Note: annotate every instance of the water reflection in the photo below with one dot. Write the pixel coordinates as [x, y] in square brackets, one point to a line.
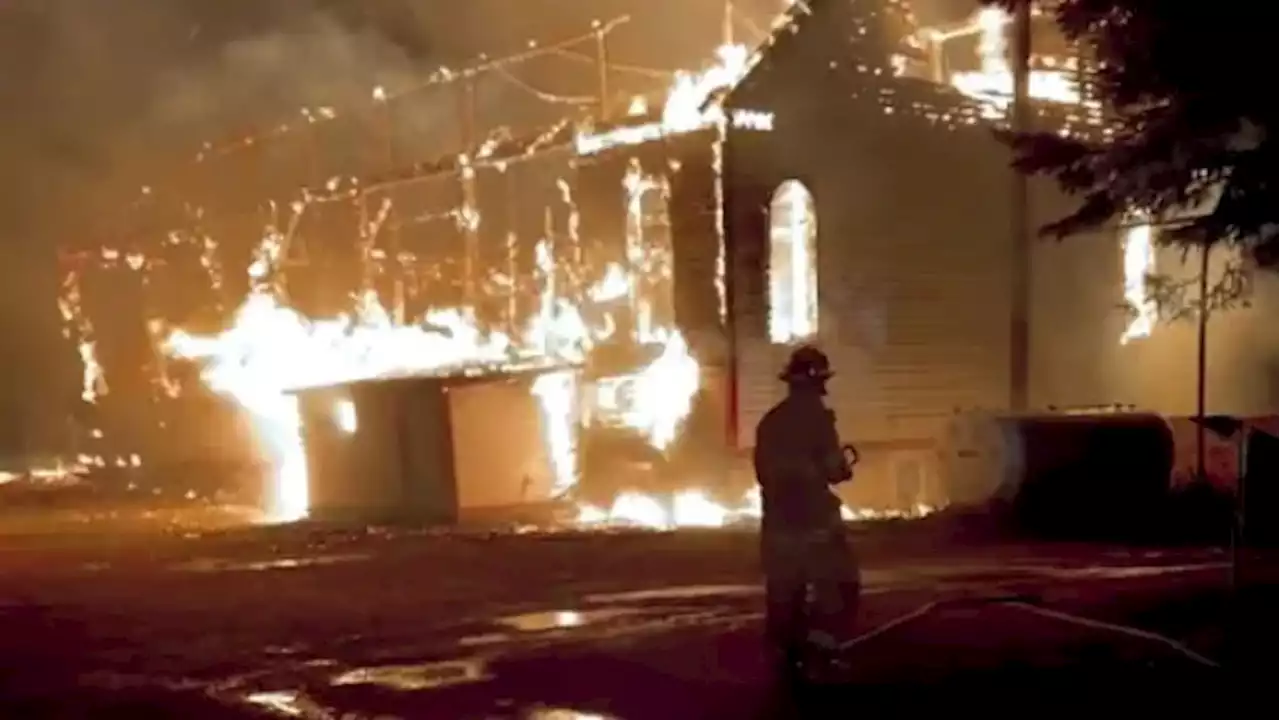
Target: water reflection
[565, 714]
[680, 592]
[216, 565]
[422, 676]
[288, 703]
[561, 619]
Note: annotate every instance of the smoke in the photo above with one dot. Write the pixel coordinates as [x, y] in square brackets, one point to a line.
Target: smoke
[103, 97]
[315, 61]
[109, 90]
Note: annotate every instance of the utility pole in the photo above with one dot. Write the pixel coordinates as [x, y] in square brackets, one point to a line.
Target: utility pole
[602, 67]
[726, 26]
[1202, 357]
[1020, 296]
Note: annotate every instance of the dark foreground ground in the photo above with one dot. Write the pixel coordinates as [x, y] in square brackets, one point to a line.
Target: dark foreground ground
[326, 623]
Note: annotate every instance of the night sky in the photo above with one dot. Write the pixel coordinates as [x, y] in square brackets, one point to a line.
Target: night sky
[101, 97]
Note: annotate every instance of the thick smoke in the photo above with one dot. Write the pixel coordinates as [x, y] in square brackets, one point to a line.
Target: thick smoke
[317, 61]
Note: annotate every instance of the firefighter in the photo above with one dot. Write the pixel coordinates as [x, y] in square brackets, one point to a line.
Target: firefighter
[798, 458]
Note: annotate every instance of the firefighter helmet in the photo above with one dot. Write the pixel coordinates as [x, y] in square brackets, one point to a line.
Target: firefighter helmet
[807, 363]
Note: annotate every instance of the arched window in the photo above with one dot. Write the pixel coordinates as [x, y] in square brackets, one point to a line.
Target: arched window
[793, 264]
[1139, 264]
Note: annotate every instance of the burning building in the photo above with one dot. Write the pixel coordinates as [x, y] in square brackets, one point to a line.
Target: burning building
[702, 210]
[840, 184]
[875, 219]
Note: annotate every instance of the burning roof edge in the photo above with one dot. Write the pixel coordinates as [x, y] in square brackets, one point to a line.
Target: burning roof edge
[501, 148]
[498, 149]
[793, 21]
[789, 21]
[450, 377]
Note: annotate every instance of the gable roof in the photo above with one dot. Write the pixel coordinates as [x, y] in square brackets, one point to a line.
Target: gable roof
[807, 16]
[870, 38]
[788, 22]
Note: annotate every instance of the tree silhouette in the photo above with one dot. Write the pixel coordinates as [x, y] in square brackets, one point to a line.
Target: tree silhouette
[1193, 121]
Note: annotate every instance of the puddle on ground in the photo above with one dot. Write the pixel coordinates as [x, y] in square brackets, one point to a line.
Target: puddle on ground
[214, 565]
[422, 676]
[546, 622]
[1134, 571]
[288, 703]
[565, 714]
[683, 592]
[561, 619]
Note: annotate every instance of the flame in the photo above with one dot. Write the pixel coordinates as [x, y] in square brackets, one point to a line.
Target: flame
[696, 509]
[686, 107]
[1139, 263]
[659, 397]
[271, 350]
[993, 83]
[557, 393]
[691, 104]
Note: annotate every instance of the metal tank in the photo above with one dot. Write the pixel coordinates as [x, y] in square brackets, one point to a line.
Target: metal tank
[1097, 475]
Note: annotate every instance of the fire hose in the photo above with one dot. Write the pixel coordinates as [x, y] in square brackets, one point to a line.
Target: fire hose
[1030, 605]
[1019, 602]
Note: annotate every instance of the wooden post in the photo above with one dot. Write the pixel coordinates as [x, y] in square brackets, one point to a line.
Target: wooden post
[471, 241]
[397, 269]
[513, 267]
[1020, 300]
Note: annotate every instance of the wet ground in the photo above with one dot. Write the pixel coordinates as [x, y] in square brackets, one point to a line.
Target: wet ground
[379, 623]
